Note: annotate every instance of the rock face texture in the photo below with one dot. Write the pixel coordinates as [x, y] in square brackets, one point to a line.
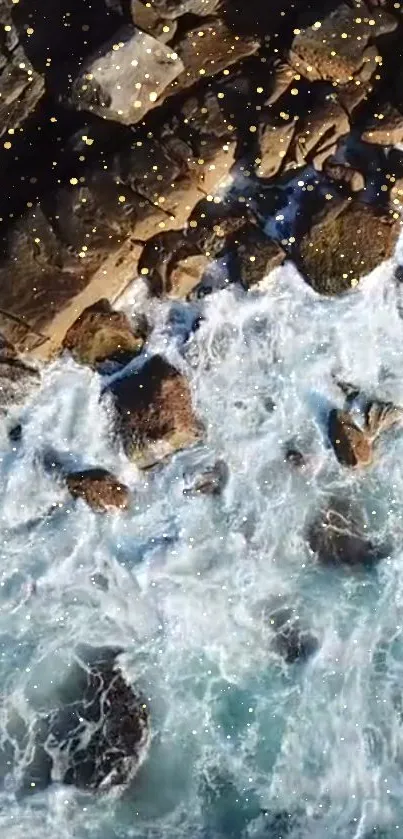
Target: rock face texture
[99, 489]
[102, 334]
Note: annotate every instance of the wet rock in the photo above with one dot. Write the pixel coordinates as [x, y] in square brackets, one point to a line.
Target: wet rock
[256, 255]
[101, 490]
[344, 175]
[187, 274]
[340, 47]
[291, 641]
[18, 380]
[275, 137]
[294, 457]
[319, 130]
[344, 243]
[337, 535]
[351, 444]
[148, 20]
[172, 263]
[21, 87]
[177, 8]
[108, 83]
[155, 416]
[15, 433]
[210, 482]
[382, 416]
[208, 49]
[97, 735]
[100, 333]
[385, 126]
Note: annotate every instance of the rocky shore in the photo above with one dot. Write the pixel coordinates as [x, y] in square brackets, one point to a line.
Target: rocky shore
[145, 142]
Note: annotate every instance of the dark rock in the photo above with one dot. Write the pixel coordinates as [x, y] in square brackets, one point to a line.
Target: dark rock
[294, 457]
[210, 482]
[177, 8]
[256, 255]
[352, 445]
[21, 87]
[101, 334]
[18, 380]
[154, 412]
[344, 243]
[291, 641]
[344, 175]
[337, 535]
[99, 489]
[97, 735]
[385, 126]
[15, 433]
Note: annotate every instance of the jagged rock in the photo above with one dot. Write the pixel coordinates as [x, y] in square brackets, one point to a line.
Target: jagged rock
[159, 257]
[319, 131]
[352, 445]
[385, 127]
[210, 482]
[99, 489]
[123, 82]
[294, 457]
[344, 244]
[177, 8]
[146, 18]
[21, 87]
[101, 334]
[340, 47]
[382, 416]
[154, 411]
[344, 175]
[337, 535]
[275, 138]
[209, 48]
[256, 255]
[186, 274]
[97, 734]
[18, 380]
[291, 641]
[212, 138]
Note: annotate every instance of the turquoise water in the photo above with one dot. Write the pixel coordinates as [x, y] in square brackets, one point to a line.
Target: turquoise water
[243, 744]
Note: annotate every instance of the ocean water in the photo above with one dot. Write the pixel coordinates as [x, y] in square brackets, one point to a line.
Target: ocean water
[243, 745]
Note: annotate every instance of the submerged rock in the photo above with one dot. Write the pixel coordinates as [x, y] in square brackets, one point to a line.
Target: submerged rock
[351, 444]
[155, 412]
[337, 535]
[291, 641]
[97, 735]
[294, 457]
[101, 490]
[210, 482]
[100, 333]
[18, 380]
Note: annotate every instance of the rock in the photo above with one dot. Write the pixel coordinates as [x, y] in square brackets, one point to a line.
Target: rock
[172, 263]
[256, 255]
[210, 482]
[337, 535]
[186, 274]
[352, 445]
[101, 334]
[21, 87]
[97, 735]
[18, 380]
[385, 127]
[274, 138]
[382, 416]
[15, 433]
[177, 8]
[339, 47]
[294, 457]
[291, 641]
[146, 18]
[155, 413]
[319, 131]
[344, 175]
[123, 82]
[99, 489]
[209, 48]
[345, 243]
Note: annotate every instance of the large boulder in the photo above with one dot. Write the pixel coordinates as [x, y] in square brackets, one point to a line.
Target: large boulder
[352, 445]
[340, 46]
[155, 412]
[337, 535]
[21, 87]
[100, 333]
[255, 255]
[101, 490]
[125, 80]
[97, 734]
[345, 243]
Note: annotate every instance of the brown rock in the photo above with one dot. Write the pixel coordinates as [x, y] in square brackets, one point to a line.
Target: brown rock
[186, 274]
[344, 175]
[99, 489]
[208, 49]
[146, 18]
[176, 8]
[337, 535]
[21, 87]
[382, 416]
[106, 85]
[338, 48]
[319, 131]
[275, 139]
[101, 334]
[352, 445]
[385, 128]
[344, 244]
[155, 413]
[256, 254]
